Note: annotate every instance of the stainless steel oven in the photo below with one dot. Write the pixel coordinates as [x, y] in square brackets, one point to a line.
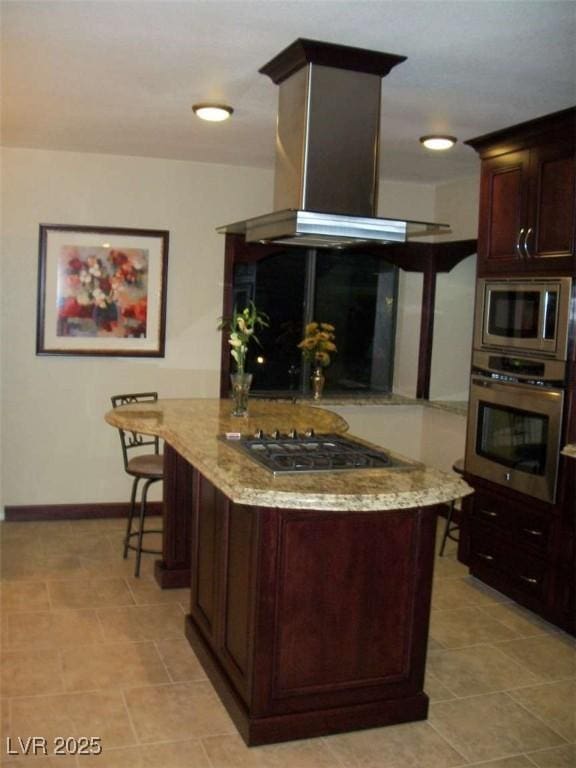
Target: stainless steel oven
[523, 315]
[514, 425]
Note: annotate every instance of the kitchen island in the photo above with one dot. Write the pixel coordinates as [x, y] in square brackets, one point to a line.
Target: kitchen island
[310, 594]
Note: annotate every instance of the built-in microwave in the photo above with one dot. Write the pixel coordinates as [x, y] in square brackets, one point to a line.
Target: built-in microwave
[528, 315]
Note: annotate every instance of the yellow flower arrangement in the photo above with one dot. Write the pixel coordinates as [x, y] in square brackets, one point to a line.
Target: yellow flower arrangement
[318, 343]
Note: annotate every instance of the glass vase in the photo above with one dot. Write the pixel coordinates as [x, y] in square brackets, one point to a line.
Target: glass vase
[318, 380]
[241, 383]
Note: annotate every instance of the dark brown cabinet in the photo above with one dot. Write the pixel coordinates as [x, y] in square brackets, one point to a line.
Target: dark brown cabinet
[527, 218]
[310, 622]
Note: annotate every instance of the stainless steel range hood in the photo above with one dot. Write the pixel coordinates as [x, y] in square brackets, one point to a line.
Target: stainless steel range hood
[327, 151]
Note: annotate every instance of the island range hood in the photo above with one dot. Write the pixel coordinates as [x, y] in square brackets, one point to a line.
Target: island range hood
[327, 151]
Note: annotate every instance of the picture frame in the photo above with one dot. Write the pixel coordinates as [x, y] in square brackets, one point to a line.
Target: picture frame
[101, 291]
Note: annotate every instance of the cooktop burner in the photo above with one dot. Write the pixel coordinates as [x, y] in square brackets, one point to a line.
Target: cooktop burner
[308, 452]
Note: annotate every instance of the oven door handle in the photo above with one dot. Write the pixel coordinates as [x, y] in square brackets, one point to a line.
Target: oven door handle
[507, 386]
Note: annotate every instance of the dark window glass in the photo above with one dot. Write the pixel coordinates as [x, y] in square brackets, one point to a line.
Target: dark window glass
[355, 292]
[514, 314]
[512, 437]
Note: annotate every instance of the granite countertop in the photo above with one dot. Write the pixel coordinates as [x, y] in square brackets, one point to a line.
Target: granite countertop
[192, 428]
[569, 450]
[459, 407]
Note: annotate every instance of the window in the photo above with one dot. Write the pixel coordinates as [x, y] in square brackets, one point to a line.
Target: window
[356, 292]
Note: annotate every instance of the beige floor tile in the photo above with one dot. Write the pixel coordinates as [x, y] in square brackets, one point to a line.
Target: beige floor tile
[559, 757]
[449, 568]
[89, 593]
[178, 711]
[461, 627]
[112, 666]
[478, 669]
[41, 761]
[26, 673]
[464, 592]
[10, 531]
[180, 660]
[180, 754]
[116, 566]
[17, 568]
[507, 762]
[551, 657]
[231, 752]
[414, 744]
[142, 622]
[490, 727]
[95, 546]
[436, 690]
[98, 714]
[523, 622]
[147, 592]
[555, 703]
[24, 596]
[50, 629]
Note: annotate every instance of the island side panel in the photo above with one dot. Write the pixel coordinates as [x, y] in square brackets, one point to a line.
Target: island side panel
[311, 622]
[174, 569]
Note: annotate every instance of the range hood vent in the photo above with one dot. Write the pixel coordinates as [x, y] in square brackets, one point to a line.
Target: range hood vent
[327, 151]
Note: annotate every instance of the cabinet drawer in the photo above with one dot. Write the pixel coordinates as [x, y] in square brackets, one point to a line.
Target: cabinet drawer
[523, 527]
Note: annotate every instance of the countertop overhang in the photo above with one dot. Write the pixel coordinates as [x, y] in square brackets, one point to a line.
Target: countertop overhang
[193, 426]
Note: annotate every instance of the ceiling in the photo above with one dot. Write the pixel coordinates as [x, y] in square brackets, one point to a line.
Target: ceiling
[120, 76]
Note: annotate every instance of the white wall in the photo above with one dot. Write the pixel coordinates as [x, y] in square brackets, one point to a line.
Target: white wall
[456, 203]
[56, 446]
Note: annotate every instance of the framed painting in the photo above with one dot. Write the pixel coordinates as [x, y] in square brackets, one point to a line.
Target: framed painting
[101, 291]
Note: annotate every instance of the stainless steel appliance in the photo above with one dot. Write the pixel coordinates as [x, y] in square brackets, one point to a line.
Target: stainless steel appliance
[327, 151]
[523, 316]
[296, 453]
[515, 422]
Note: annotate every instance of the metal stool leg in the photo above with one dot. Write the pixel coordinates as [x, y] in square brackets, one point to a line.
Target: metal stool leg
[145, 487]
[130, 515]
[447, 528]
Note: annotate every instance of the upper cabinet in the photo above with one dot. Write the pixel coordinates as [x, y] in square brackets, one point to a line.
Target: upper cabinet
[527, 221]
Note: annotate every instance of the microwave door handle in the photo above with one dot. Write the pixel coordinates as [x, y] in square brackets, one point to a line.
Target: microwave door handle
[527, 253]
[518, 245]
[508, 386]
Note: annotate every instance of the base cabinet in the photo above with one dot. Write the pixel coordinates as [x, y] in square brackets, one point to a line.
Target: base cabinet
[310, 622]
[516, 547]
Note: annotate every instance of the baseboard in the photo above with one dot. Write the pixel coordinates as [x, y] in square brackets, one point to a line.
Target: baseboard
[24, 513]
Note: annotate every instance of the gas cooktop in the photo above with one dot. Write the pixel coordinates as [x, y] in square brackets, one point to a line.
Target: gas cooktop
[297, 453]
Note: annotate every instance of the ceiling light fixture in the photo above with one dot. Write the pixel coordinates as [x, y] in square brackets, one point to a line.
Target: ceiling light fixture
[215, 113]
[438, 142]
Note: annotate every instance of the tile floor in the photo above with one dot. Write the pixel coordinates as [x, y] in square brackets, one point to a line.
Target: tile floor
[87, 650]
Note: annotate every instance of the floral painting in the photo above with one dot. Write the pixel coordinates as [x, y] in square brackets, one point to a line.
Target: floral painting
[101, 291]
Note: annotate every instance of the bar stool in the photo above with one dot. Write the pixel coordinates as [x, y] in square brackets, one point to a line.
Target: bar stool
[452, 529]
[148, 467]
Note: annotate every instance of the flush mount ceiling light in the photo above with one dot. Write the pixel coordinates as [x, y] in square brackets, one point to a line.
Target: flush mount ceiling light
[438, 142]
[215, 113]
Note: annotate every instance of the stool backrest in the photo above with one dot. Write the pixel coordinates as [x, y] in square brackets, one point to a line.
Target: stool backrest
[135, 440]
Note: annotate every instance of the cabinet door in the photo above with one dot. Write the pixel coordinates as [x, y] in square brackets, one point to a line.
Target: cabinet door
[503, 211]
[551, 222]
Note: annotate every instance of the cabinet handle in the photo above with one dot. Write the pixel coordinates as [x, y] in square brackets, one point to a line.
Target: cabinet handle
[529, 579]
[488, 513]
[484, 556]
[526, 248]
[518, 245]
[533, 531]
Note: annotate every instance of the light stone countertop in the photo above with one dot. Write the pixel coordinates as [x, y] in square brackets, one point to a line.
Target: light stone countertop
[569, 450]
[459, 407]
[192, 428]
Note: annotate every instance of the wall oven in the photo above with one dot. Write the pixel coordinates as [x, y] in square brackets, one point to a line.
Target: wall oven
[515, 422]
[523, 315]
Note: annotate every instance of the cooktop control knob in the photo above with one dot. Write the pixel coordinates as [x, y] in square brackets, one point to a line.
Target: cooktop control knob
[276, 434]
[293, 435]
[309, 432]
[259, 434]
